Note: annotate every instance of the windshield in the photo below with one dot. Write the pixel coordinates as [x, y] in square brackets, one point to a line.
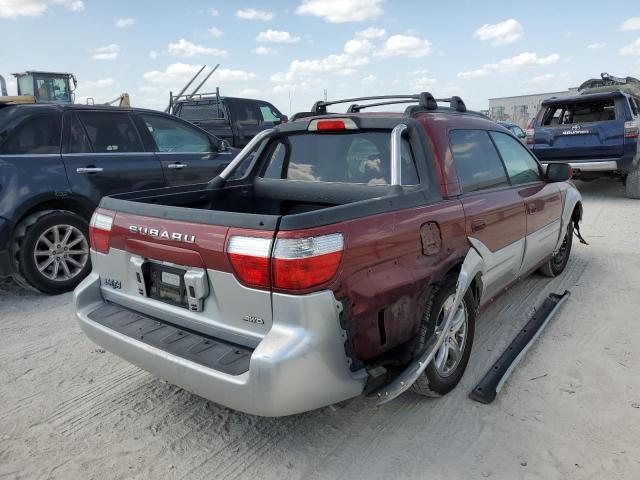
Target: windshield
[360, 157]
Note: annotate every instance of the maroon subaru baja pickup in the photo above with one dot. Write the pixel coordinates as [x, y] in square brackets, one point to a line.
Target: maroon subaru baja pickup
[336, 255]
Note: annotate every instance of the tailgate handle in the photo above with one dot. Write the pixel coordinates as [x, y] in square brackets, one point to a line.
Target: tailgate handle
[84, 170]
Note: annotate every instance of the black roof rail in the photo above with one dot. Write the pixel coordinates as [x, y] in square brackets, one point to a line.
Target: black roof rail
[425, 101]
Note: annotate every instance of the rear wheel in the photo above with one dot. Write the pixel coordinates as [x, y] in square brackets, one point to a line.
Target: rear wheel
[447, 367]
[51, 251]
[557, 263]
[632, 183]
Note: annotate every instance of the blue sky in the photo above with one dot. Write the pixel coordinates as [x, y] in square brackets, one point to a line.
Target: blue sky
[290, 51]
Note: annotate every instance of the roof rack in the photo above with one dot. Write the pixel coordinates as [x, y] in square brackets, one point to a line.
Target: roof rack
[425, 101]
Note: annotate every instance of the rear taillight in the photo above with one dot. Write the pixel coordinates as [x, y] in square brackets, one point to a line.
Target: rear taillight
[631, 129]
[301, 263]
[530, 136]
[249, 257]
[294, 264]
[100, 231]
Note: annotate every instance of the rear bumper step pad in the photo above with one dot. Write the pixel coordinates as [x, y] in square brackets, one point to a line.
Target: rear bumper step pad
[488, 388]
[210, 352]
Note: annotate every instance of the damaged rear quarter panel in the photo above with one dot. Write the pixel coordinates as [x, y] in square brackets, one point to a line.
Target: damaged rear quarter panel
[384, 272]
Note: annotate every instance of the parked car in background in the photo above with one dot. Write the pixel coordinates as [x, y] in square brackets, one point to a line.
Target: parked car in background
[236, 120]
[596, 132]
[514, 128]
[351, 255]
[58, 161]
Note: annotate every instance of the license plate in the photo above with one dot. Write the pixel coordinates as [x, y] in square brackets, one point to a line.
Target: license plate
[167, 285]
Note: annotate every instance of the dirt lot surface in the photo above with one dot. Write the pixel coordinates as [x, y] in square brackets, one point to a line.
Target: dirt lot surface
[571, 410]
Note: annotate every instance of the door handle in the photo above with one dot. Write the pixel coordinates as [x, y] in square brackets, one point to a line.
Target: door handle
[531, 208]
[177, 166]
[84, 170]
[478, 225]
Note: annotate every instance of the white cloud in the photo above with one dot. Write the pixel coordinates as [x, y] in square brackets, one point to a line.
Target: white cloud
[501, 33]
[187, 49]
[512, 64]
[371, 33]
[339, 11]
[179, 73]
[276, 36]
[213, 12]
[631, 49]
[340, 64]
[596, 46]
[253, 14]
[34, 8]
[422, 84]
[247, 92]
[125, 22]
[369, 79]
[304, 85]
[358, 46]
[262, 50]
[632, 23]
[100, 83]
[153, 54]
[108, 52]
[405, 46]
[214, 32]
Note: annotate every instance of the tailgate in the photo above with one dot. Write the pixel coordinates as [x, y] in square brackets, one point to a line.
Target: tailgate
[178, 271]
[595, 140]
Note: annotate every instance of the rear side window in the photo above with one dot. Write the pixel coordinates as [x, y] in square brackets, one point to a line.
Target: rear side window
[476, 160]
[34, 135]
[245, 113]
[360, 158]
[521, 166]
[79, 141]
[111, 132]
[580, 112]
[173, 136]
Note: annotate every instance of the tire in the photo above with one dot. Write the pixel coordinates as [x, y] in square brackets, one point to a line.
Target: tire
[443, 374]
[558, 262]
[632, 183]
[51, 269]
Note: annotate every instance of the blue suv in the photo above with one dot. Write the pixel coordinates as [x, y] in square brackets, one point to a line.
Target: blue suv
[596, 132]
[58, 161]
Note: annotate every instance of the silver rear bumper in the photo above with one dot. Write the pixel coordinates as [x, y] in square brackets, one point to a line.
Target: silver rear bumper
[590, 166]
[299, 365]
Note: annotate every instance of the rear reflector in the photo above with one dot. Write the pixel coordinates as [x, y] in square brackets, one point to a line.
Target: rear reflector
[301, 263]
[249, 258]
[332, 125]
[100, 232]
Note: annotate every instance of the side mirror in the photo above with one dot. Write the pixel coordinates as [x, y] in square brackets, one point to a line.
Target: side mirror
[283, 119]
[559, 172]
[224, 146]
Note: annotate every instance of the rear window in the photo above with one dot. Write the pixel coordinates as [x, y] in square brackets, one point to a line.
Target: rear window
[200, 111]
[359, 158]
[580, 112]
[32, 135]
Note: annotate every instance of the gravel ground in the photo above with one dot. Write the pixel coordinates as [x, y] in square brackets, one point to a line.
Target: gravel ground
[571, 410]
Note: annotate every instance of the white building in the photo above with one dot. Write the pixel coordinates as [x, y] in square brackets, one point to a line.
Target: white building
[521, 108]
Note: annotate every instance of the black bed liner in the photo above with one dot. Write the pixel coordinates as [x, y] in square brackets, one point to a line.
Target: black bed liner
[210, 352]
